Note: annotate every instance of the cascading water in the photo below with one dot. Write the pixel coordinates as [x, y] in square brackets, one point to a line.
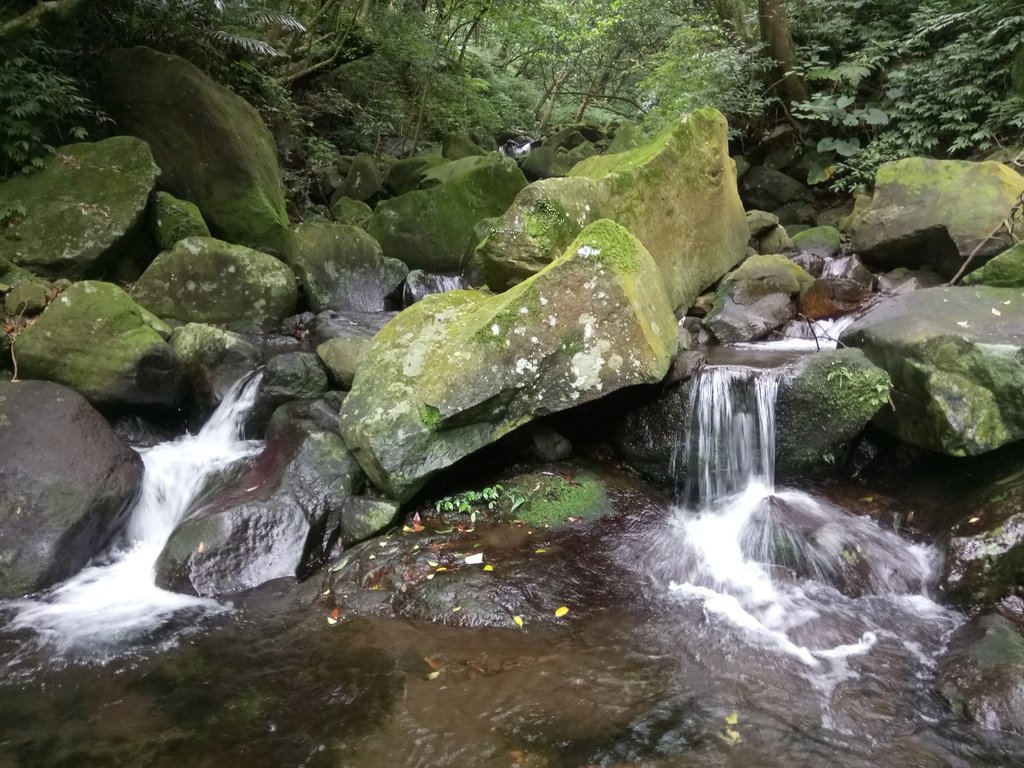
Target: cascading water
[782, 567]
[114, 602]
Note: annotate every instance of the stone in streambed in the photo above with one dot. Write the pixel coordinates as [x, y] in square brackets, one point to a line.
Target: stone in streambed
[340, 267]
[213, 359]
[457, 371]
[173, 220]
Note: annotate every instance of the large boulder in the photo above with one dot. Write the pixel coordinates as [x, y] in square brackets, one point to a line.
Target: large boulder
[1004, 271]
[756, 298]
[204, 280]
[457, 371]
[430, 228]
[96, 340]
[956, 359]
[935, 213]
[540, 224]
[270, 524]
[83, 210]
[211, 144]
[213, 359]
[768, 189]
[823, 402]
[172, 220]
[341, 267]
[65, 479]
[678, 195]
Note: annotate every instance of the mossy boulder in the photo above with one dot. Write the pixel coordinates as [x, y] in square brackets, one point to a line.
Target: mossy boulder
[363, 181]
[756, 298]
[678, 195]
[761, 222]
[1004, 271]
[173, 220]
[342, 358]
[340, 267]
[627, 136]
[65, 481]
[935, 213]
[292, 376]
[430, 228]
[352, 212]
[768, 189]
[406, 174]
[820, 241]
[456, 146]
[84, 210]
[459, 370]
[956, 359]
[537, 228]
[213, 359]
[96, 340]
[212, 146]
[11, 275]
[775, 240]
[204, 280]
[823, 403]
[26, 299]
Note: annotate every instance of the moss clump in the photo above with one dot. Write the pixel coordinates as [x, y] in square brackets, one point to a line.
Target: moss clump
[611, 245]
[1004, 271]
[430, 416]
[174, 220]
[552, 500]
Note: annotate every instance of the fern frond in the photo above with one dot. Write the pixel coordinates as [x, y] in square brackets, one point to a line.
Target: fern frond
[244, 43]
[251, 16]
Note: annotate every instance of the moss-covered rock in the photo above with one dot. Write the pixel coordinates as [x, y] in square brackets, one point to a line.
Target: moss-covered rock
[406, 174]
[83, 210]
[12, 275]
[363, 181]
[536, 229]
[430, 228]
[354, 213]
[756, 298]
[823, 403]
[956, 359]
[934, 213]
[342, 358]
[820, 241]
[204, 280]
[173, 220]
[212, 146]
[341, 267]
[761, 222]
[213, 359]
[292, 376]
[768, 189]
[456, 146]
[678, 195]
[775, 240]
[96, 340]
[26, 299]
[1004, 271]
[459, 370]
[627, 136]
[552, 500]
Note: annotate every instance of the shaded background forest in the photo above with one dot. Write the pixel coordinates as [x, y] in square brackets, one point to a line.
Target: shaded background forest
[857, 82]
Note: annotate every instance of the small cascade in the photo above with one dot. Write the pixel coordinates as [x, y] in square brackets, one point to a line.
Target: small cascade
[114, 602]
[781, 566]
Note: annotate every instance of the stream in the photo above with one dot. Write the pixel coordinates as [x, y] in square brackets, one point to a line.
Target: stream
[762, 626]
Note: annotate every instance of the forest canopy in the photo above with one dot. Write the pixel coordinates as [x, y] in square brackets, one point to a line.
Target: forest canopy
[858, 81]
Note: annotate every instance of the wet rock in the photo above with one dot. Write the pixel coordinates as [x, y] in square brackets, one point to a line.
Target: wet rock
[322, 412]
[359, 518]
[172, 220]
[756, 298]
[934, 213]
[420, 284]
[84, 209]
[271, 524]
[956, 363]
[703, 233]
[829, 297]
[201, 134]
[213, 360]
[430, 228]
[96, 340]
[435, 385]
[796, 214]
[346, 325]
[539, 164]
[810, 263]
[538, 226]
[1004, 271]
[823, 403]
[549, 445]
[650, 434]
[982, 674]
[342, 358]
[204, 280]
[902, 280]
[65, 481]
[761, 222]
[292, 376]
[775, 240]
[340, 267]
[820, 241]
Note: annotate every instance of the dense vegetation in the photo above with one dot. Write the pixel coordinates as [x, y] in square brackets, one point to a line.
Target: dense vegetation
[859, 81]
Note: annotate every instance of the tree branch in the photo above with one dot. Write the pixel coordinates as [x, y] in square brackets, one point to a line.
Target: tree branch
[41, 15]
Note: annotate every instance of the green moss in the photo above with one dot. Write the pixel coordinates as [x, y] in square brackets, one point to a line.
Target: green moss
[430, 416]
[552, 499]
[610, 244]
[1004, 271]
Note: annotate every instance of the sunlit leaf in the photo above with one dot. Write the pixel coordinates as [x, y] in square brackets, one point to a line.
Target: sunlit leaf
[518, 620]
[561, 611]
[488, 567]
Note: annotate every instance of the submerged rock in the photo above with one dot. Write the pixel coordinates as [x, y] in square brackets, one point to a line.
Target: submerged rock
[65, 480]
[84, 210]
[96, 340]
[457, 371]
[430, 228]
[935, 213]
[956, 360]
[982, 674]
[212, 146]
[204, 280]
[677, 195]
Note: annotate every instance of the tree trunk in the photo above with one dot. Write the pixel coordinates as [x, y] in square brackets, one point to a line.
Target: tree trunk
[778, 44]
[733, 14]
[41, 15]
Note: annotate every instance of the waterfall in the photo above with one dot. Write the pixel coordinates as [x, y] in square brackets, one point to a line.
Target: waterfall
[114, 601]
[780, 565]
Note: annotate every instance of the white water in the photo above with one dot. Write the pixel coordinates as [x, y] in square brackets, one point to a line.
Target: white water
[781, 567]
[114, 601]
[805, 335]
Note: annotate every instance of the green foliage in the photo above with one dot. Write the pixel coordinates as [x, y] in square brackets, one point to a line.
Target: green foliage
[39, 106]
[490, 498]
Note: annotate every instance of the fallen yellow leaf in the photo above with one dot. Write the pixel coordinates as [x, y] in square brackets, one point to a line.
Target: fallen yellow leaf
[518, 620]
[561, 611]
[488, 567]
